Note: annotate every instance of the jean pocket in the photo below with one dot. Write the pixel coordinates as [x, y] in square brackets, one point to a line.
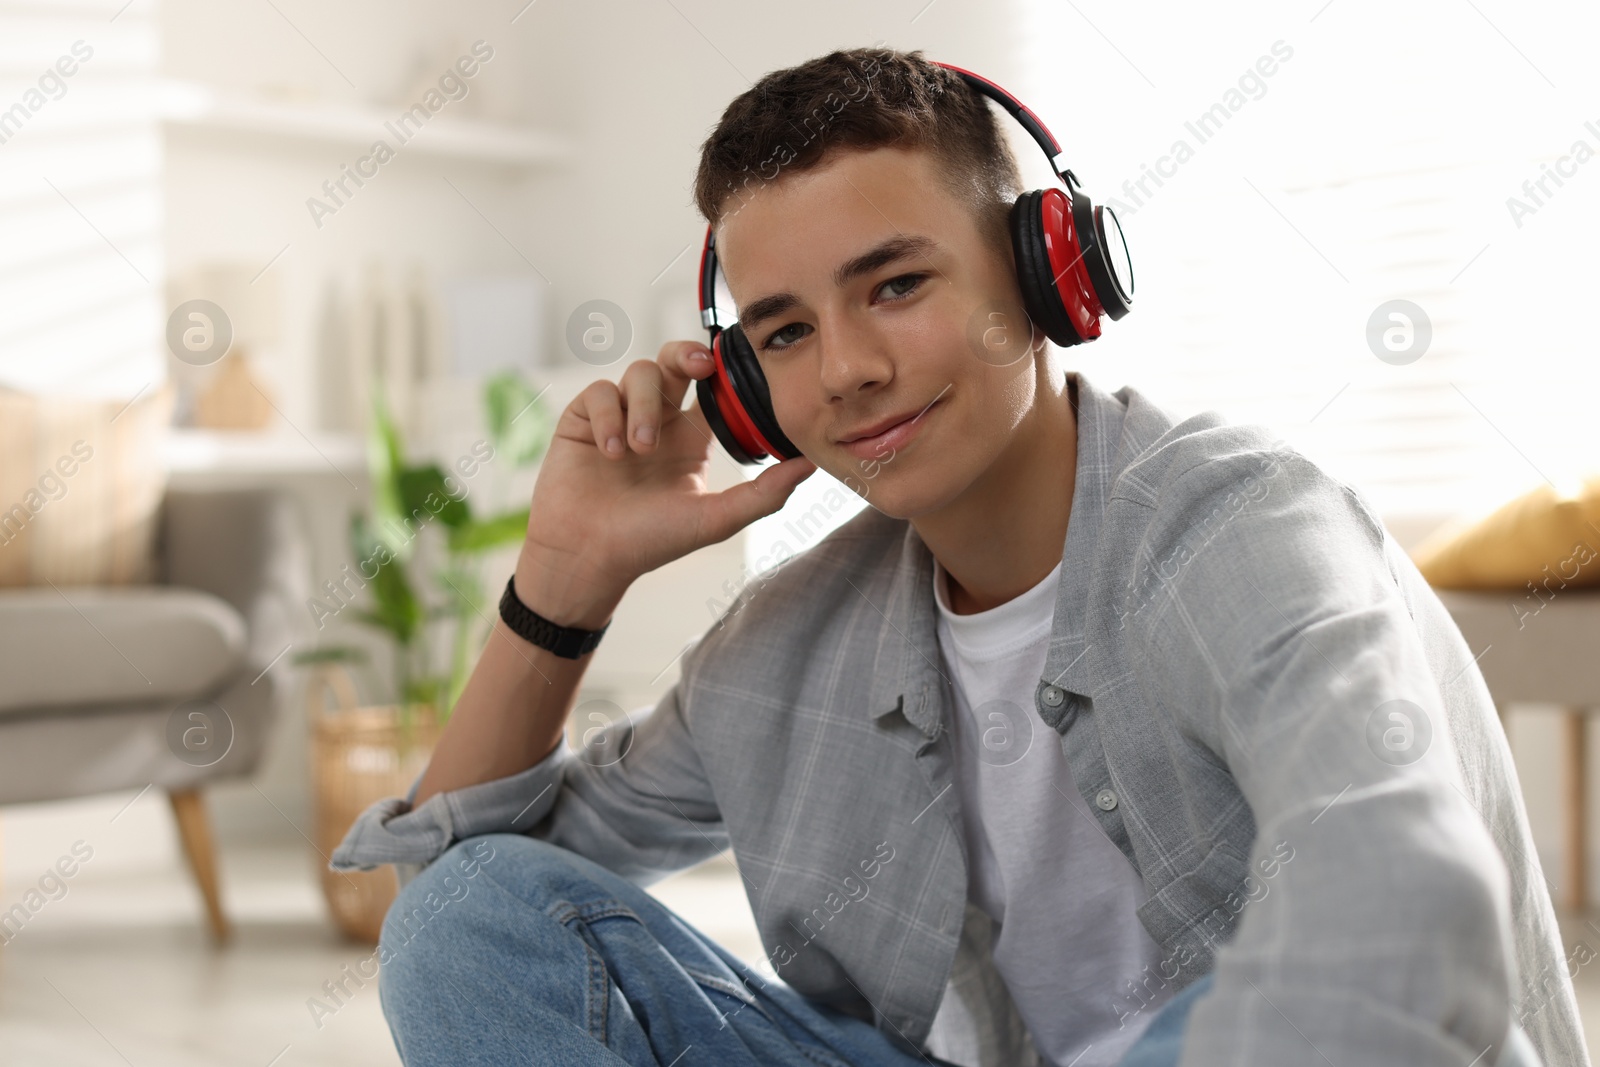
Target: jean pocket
[743, 1006]
[730, 987]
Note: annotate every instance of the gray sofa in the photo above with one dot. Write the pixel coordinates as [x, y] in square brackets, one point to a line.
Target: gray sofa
[165, 686]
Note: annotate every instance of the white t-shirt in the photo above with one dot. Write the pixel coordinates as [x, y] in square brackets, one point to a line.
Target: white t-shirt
[1038, 864]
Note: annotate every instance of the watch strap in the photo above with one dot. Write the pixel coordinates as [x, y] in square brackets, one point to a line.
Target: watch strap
[568, 642]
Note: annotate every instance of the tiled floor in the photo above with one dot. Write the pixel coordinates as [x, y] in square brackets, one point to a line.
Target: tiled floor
[119, 974]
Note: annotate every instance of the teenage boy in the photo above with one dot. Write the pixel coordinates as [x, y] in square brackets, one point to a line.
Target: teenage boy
[1097, 738]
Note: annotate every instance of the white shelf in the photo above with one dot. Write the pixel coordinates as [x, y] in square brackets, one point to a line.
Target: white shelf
[276, 451]
[190, 106]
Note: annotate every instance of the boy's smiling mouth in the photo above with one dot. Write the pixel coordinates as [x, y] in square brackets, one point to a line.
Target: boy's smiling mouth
[894, 432]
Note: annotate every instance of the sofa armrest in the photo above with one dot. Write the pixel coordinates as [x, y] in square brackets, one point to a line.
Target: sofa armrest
[247, 547]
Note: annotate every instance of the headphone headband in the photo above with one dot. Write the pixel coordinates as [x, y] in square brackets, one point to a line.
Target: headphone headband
[1019, 111]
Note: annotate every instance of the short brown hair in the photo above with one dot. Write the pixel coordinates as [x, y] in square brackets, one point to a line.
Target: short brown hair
[861, 98]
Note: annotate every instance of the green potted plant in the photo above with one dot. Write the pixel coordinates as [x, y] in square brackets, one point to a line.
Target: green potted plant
[415, 590]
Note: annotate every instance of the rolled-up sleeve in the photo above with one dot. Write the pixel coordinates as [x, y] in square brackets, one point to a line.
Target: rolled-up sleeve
[392, 831]
[1387, 937]
[634, 798]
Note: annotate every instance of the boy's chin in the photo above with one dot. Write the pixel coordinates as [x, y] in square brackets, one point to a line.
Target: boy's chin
[909, 496]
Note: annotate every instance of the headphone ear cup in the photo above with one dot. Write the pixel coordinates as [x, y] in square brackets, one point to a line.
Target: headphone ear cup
[705, 390]
[1088, 223]
[750, 386]
[1040, 293]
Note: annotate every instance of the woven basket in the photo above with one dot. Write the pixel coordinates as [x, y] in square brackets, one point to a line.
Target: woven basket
[359, 755]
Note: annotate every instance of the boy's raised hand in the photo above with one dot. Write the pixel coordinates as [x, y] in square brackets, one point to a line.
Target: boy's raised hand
[622, 488]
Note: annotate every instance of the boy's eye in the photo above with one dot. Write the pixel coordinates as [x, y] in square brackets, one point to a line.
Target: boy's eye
[903, 286]
[897, 288]
[781, 338]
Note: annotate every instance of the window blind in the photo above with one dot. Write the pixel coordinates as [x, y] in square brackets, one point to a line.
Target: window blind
[80, 199]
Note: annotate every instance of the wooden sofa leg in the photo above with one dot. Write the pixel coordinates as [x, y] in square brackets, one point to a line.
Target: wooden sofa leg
[195, 828]
[1577, 805]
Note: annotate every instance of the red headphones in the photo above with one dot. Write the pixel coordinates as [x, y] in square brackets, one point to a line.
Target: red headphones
[1072, 266]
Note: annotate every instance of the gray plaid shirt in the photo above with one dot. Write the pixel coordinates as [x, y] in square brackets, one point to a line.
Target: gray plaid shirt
[1264, 705]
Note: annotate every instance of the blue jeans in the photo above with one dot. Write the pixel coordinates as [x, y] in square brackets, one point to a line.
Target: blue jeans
[507, 949]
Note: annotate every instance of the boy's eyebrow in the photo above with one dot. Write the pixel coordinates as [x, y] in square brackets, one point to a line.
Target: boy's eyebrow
[882, 254]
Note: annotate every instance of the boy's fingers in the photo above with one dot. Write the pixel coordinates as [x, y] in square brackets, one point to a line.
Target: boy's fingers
[681, 363]
[601, 404]
[737, 507]
[641, 386]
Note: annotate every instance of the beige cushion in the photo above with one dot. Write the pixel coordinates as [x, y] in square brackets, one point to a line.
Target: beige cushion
[1545, 537]
[101, 645]
[80, 484]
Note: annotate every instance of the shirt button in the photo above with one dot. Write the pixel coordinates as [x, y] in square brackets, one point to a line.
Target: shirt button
[1105, 800]
[1053, 695]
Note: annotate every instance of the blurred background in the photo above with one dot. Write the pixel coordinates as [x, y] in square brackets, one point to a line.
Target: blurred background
[240, 345]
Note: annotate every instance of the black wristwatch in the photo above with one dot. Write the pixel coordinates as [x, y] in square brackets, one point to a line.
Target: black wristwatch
[569, 642]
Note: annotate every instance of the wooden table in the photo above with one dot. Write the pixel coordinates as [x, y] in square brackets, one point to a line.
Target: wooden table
[1544, 651]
